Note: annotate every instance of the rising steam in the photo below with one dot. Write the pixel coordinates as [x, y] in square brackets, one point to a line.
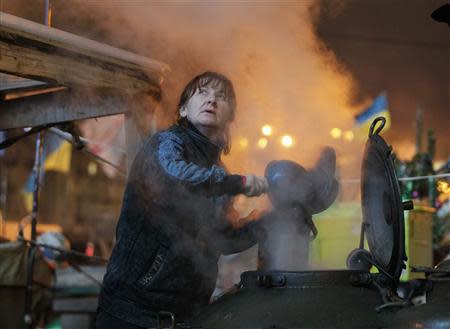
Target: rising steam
[283, 75]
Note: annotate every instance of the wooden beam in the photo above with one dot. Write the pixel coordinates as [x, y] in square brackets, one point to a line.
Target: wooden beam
[71, 70]
[39, 52]
[61, 107]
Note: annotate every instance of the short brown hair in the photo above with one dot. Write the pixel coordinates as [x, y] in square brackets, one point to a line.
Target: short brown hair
[212, 79]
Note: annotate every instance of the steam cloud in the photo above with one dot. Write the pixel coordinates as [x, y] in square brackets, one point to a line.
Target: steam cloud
[282, 73]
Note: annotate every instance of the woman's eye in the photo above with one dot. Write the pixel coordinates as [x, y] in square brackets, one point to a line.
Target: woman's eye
[202, 91]
[220, 96]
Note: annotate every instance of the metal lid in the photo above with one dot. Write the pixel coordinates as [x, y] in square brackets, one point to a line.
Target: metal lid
[314, 189]
[382, 206]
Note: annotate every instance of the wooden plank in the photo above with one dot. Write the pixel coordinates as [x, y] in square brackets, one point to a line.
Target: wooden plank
[61, 107]
[71, 69]
[27, 92]
[18, 28]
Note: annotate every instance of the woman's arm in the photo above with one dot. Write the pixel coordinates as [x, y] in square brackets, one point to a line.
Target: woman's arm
[214, 179]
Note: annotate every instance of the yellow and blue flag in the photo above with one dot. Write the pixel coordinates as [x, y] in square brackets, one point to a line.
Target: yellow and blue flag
[379, 107]
[56, 156]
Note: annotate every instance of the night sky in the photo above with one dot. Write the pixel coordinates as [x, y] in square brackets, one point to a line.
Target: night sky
[395, 46]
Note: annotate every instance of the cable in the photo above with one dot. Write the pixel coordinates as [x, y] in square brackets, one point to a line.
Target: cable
[424, 177]
[70, 138]
[66, 135]
[67, 253]
[414, 178]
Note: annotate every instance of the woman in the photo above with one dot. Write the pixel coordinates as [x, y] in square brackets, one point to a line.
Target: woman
[175, 219]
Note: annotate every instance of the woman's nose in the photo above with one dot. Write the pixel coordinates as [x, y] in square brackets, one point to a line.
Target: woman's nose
[211, 99]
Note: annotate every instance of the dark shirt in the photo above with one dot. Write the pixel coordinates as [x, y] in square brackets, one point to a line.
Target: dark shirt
[172, 228]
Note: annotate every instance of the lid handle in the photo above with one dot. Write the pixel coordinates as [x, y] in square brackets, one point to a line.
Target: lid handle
[374, 123]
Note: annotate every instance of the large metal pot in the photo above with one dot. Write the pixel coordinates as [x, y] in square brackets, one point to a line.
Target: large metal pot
[310, 299]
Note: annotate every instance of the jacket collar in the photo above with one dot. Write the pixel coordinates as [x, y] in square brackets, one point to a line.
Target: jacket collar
[213, 149]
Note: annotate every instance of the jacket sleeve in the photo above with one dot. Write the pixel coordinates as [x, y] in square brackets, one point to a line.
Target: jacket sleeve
[214, 179]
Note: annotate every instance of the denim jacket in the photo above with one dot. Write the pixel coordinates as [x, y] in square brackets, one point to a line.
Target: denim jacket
[172, 228]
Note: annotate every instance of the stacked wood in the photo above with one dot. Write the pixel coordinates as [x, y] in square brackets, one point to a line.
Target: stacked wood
[97, 79]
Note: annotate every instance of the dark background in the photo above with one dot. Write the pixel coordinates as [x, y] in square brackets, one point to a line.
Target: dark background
[395, 46]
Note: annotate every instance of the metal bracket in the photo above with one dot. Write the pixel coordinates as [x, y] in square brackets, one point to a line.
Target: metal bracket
[271, 280]
[165, 314]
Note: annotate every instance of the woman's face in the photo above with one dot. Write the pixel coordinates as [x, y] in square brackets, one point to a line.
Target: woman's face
[208, 108]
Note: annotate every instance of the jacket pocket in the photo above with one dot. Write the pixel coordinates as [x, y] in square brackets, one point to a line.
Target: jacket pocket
[147, 278]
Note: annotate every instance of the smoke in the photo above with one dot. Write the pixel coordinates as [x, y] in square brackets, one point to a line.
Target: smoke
[283, 75]
[285, 243]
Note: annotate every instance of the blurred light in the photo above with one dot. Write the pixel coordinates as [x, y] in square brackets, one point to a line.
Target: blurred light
[443, 187]
[266, 130]
[336, 133]
[262, 143]
[243, 143]
[90, 249]
[287, 141]
[92, 168]
[348, 135]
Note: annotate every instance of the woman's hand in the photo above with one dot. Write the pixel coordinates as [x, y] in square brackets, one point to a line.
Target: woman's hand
[255, 185]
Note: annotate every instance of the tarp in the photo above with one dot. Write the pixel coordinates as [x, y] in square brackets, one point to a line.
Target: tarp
[13, 278]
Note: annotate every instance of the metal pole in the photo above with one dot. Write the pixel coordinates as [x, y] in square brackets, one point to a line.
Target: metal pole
[419, 127]
[3, 200]
[68, 137]
[28, 316]
[36, 175]
[48, 13]
[38, 154]
[3, 187]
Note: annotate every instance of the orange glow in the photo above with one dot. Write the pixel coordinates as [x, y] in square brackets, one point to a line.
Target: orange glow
[262, 143]
[336, 133]
[243, 143]
[348, 135]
